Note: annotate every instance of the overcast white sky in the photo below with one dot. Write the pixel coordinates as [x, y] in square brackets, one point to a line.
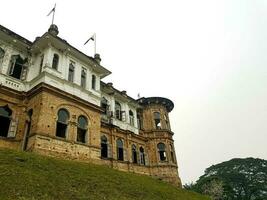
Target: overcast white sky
[208, 57]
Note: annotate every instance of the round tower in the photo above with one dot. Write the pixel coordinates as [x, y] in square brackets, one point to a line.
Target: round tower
[156, 127]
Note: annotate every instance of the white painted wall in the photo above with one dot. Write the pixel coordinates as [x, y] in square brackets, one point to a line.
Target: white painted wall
[59, 79]
[125, 125]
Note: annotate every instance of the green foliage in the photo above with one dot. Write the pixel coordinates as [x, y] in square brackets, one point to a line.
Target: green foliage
[240, 179]
[27, 176]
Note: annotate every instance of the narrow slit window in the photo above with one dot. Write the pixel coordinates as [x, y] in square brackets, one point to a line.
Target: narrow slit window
[93, 82]
[83, 78]
[71, 72]
[41, 64]
[139, 121]
[55, 61]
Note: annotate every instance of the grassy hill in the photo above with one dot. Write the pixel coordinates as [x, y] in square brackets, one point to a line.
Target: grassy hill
[28, 176]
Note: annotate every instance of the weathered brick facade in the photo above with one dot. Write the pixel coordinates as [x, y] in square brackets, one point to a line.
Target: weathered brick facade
[125, 134]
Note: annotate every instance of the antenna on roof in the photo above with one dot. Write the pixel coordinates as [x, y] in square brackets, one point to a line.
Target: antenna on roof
[138, 96]
[52, 11]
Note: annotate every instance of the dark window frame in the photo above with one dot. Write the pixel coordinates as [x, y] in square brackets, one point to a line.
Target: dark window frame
[142, 156]
[5, 119]
[162, 152]
[83, 77]
[104, 147]
[120, 149]
[131, 117]
[134, 154]
[93, 82]
[71, 72]
[41, 63]
[17, 66]
[118, 111]
[55, 61]
[104, 105]
[62, 124]
[157, 120]
[2, 55]
[82, 129]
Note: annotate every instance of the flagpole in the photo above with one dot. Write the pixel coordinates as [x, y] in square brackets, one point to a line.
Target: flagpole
[53, 14]
[95, 42]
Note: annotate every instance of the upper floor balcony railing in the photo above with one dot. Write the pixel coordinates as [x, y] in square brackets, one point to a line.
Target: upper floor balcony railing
[12, 83]
[122, 124]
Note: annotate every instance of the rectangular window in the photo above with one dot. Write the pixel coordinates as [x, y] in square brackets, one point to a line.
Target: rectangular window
[93, 82]
[83, 78]
[71, 71]
[41, 64]
[132, 120]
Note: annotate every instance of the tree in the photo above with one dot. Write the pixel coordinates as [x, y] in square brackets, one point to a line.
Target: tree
[237, 179]
[214, 189]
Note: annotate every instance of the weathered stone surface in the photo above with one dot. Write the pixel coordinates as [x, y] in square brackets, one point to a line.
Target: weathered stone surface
[42, 135]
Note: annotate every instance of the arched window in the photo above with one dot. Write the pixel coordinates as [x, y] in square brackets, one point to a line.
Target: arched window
[119, 149]
[104, 146]
[2, 54]
[71, 72]
[118, 110]
[83, 78]
[142, 156]
[134, 154]
[157, 120]
[62, 123]
[93, 82]
[55, 61]
[5, 119]
[131, 115]
[104, 105]
[162, 152]
[16, 66]
[82, 129]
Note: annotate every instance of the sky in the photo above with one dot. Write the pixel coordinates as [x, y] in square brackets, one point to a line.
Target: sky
[208, 57]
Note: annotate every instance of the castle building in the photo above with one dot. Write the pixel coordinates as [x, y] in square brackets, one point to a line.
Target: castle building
[53, 102]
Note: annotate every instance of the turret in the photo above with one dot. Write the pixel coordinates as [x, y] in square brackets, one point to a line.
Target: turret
[156, 127]
[156, 113]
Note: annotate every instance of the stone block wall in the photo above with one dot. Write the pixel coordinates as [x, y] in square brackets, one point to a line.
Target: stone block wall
[44, 102]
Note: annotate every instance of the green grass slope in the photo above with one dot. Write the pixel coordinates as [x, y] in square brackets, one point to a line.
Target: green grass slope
[28, 176]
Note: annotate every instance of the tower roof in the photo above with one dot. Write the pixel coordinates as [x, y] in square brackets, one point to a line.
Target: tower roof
[167, 103]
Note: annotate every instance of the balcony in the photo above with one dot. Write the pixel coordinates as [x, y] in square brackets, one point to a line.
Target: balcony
[123, 125]
[12, 82]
